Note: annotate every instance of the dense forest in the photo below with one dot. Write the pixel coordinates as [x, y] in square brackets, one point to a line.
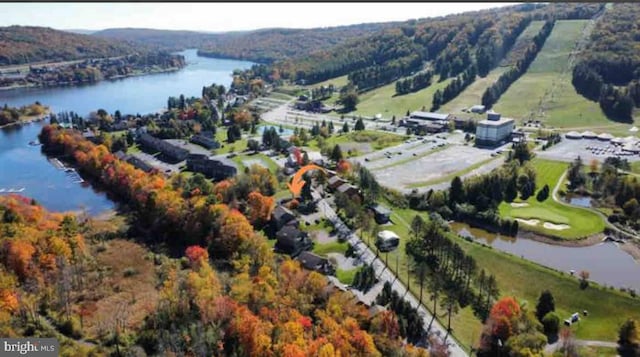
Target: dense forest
[608, 69]
[27, 44]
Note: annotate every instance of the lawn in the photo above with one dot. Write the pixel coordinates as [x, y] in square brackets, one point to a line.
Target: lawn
[545, 92]
[378, 140]
[384, 101]
[583, 222]
[347, 276]
[264, 159]
[237, 146]
[333, 247]
[523, 279]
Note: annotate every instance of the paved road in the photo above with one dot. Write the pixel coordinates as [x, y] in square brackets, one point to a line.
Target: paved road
[384, 274]
[550, 348]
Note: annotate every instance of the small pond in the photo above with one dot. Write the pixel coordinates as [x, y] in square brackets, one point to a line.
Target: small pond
[606, 262]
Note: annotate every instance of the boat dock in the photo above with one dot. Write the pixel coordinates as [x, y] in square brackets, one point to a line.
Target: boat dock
[11, 190]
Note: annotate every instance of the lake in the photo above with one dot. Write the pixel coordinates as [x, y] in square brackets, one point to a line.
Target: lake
[606, 262]
[142, 94]
[24, 166]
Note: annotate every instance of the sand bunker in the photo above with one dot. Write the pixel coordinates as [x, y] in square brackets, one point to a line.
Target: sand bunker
[530, 222]
[519, 204]
[557, 227]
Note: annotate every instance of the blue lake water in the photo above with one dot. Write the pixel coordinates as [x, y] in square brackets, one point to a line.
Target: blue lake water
[24, 166]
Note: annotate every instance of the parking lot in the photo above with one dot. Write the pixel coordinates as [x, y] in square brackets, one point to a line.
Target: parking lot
[430, 167]
[588, 149]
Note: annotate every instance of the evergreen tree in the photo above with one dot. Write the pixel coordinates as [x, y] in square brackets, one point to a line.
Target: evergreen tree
[336, 153]
[345, 127]
[546, 304]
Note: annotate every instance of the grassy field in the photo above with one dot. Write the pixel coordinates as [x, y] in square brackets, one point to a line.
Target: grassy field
[523, 279]
[270, 164]
[545, 92]
[337, 82]
[378, 140]
[473, 94]
[282, 96]
[237, 146]
[582, 221]
[382, 100]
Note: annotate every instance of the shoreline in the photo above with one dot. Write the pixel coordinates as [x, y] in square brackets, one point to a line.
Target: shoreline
[28, 121]
[631, 248]
[122, 76]
[584, 242]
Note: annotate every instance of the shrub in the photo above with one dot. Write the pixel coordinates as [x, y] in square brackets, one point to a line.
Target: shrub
[129, 272]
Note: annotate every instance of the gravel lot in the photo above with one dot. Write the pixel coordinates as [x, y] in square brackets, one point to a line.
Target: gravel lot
[568, 149]
[430, 167]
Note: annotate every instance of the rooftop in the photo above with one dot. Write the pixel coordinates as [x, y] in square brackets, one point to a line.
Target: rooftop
[502, 121]
[387, 235]
[428, 115]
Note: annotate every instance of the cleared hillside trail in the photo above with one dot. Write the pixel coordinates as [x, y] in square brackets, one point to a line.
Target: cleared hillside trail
[567, 72]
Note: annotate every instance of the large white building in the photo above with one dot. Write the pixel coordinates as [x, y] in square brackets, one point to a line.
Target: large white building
[494, 130]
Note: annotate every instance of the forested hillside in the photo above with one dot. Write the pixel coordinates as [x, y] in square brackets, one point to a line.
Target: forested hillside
[266, 45]
[608, 70]
[450, 44]
[27, 44]
[165, 39]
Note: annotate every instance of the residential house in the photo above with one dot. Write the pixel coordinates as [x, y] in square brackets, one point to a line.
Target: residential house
[350, 190]
[316, 263]
[282, 216]
[292, 241]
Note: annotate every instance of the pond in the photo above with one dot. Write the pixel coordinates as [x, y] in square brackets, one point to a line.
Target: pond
[582, 201]
[606, 262]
